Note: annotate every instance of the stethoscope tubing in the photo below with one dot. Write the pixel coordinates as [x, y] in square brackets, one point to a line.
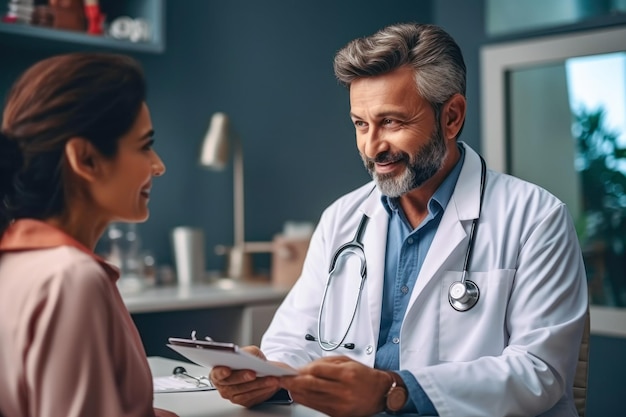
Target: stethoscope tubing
[470, 245]
[354, 246]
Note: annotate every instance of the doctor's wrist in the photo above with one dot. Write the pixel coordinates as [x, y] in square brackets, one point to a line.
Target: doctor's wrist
[395, 395]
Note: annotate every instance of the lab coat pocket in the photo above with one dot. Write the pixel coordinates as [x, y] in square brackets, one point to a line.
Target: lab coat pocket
[479, 331]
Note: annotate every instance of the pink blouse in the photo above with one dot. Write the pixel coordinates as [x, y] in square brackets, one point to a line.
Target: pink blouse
[68, 346]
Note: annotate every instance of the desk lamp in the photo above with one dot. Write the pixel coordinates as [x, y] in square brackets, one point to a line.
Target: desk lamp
[214, 155]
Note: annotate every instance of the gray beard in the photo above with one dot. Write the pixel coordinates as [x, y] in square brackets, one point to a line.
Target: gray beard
[421, 166]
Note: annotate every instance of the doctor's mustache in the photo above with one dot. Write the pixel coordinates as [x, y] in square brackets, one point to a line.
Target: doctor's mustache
[385, 158]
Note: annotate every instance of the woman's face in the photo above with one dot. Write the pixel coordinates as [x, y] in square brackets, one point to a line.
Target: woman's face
[123, 191]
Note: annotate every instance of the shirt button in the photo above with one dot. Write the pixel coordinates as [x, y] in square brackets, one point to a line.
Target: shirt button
[369, 349]
[404, 289]
[396, 340]
[410, 240]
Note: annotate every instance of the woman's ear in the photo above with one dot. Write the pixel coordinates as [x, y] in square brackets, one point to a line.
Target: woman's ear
[82, 158]
[454, 116]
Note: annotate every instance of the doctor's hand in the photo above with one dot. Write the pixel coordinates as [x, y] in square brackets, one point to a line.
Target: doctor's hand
[339, 386]
[242, 386]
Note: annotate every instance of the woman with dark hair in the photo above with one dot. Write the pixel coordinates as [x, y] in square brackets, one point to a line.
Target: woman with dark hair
[75, 155]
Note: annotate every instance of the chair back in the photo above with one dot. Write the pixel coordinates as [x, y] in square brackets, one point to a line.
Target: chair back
[580, 380]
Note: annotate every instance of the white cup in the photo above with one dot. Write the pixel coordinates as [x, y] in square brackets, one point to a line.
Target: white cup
[188, 243]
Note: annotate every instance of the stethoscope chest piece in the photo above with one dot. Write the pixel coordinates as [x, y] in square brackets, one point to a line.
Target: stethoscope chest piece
[463, 295]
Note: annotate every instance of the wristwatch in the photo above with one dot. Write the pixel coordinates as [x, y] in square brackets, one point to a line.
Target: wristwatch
[396, 396]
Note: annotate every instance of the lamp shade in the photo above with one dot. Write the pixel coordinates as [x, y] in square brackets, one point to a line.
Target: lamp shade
[215, 147]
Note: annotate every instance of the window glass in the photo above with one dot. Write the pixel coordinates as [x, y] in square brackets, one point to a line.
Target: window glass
[510, 16]
[568, 134]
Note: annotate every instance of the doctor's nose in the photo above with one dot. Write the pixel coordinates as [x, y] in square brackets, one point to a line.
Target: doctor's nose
[373, 144]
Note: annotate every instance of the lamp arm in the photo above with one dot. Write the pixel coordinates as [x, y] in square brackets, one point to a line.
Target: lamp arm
[238, 193]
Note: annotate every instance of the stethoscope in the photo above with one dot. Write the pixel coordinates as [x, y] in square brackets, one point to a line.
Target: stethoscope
[462, 295]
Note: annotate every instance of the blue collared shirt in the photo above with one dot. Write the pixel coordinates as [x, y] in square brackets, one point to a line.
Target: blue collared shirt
[406, 251]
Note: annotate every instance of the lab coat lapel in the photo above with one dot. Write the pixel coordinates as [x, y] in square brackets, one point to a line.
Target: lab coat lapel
[464, 206]
[449, 235]
[375, 243]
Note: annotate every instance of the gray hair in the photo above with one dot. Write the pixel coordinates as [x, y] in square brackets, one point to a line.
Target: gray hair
[432, 53]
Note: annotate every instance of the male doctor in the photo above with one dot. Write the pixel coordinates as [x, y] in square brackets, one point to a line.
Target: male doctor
[399, 327]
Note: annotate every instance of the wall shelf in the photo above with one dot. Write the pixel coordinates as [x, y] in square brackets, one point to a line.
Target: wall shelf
[150, 10]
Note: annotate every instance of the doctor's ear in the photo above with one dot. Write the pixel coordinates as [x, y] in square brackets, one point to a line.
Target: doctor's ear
[82, 158]
[453, 116]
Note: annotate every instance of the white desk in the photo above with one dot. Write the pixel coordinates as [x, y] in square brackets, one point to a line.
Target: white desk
[215, 294]
[209, 403]
[225, 310]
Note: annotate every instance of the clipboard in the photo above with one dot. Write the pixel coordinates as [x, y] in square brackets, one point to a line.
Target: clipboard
[209, 354]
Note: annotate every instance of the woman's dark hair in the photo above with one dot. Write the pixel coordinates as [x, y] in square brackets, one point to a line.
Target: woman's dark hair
[96, 96]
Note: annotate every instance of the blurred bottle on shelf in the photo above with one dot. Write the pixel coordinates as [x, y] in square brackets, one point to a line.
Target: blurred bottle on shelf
[122, 248]
[68, 14]
[19, 11]
[95, 17]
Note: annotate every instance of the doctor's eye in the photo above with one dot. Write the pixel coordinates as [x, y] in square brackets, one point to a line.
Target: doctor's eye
[359, 124]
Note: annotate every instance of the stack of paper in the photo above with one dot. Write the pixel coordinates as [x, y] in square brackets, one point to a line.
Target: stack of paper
[174, 383]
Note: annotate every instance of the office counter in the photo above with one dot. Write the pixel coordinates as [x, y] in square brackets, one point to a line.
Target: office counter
[225, 310]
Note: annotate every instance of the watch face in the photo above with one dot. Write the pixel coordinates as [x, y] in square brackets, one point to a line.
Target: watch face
[396, 398]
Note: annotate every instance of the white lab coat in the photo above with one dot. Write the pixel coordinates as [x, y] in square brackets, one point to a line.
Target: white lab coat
[513, 354]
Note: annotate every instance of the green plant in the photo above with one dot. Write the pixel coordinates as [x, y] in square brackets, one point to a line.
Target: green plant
[602, 166]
